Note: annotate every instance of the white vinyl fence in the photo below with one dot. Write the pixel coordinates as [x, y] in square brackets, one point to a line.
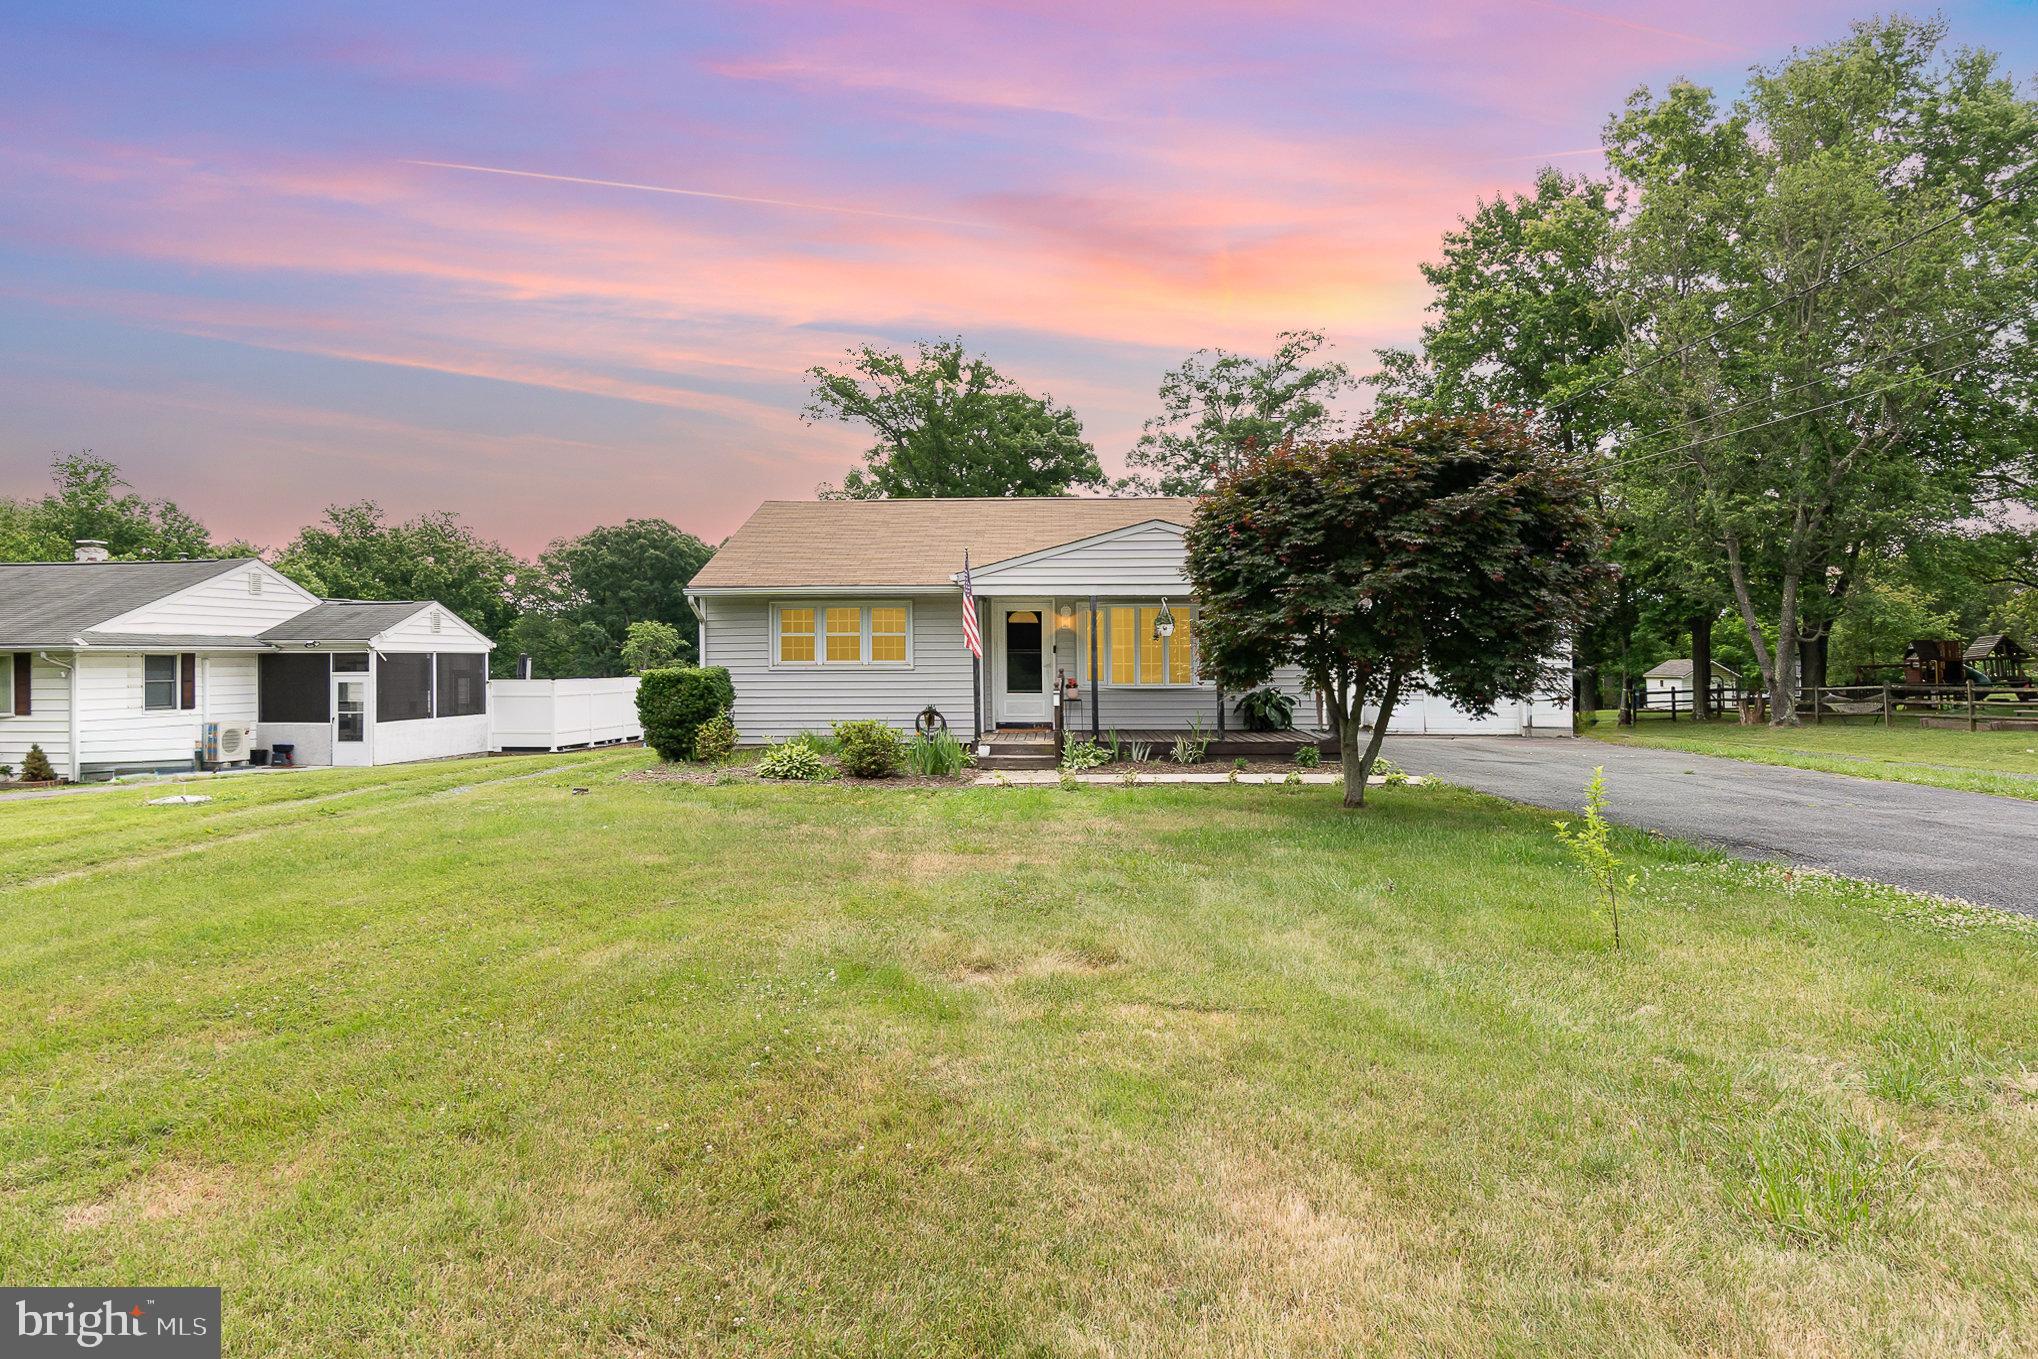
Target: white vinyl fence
[562, 714]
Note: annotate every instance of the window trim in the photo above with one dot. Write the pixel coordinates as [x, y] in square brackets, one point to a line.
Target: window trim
[7, 685]
[1185, 611]
[176, 681]
[820, 607]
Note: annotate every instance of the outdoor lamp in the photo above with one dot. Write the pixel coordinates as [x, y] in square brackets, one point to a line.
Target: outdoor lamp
[1163, 623]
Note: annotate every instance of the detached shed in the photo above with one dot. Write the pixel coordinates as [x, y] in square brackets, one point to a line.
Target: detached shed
[359, 682]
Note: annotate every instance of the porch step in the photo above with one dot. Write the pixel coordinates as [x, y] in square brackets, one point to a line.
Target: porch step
[1010, 754]
[1006, 761]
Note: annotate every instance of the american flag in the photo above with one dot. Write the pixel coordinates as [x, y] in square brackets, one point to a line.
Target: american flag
[972, 636]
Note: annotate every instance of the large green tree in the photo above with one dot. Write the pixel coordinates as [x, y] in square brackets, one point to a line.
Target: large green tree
[633, 572]
[1463, 550]
[947, 423]
[355, 553]
[1217, 408]
[1520, 321]
[90, 499]
[1518, 317]
[1826, 288]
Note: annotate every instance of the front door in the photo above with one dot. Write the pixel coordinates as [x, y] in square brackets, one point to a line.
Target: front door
[350, 719]
[1025, 684]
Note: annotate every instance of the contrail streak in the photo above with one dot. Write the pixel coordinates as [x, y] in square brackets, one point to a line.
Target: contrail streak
[695, 193]
[1618, 22]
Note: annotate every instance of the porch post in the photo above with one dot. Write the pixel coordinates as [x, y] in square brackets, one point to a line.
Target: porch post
[1220, 710]
[1096, 650]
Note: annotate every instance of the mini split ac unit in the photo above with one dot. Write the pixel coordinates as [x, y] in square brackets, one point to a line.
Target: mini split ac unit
[228, 742]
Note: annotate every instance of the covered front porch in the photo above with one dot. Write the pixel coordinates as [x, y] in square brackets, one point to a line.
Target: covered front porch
[1100, 636]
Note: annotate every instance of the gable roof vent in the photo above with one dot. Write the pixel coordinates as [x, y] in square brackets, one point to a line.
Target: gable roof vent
[90, 550]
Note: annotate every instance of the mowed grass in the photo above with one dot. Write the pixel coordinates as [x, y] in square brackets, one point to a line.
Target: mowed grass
[2000, 762]
[667, 1069]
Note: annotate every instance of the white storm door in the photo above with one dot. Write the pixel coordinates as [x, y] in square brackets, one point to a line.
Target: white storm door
[1023, 631]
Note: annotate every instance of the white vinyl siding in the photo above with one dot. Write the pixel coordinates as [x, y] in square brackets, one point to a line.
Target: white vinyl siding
[222, 606]
[416, 633]
[48, 723]
[118, 731]
[1145, 559]
[774, 701]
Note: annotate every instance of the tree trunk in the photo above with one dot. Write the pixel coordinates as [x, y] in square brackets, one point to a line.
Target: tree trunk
[1701, 666]
[1357, 764]
[1744, 600]
[1783, 693]
[1814, 650]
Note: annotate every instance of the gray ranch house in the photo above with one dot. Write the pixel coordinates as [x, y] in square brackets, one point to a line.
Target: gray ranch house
[829, 610]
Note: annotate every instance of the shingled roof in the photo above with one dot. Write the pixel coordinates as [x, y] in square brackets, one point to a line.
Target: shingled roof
[853, 544]
[53, 603]
[344, 620]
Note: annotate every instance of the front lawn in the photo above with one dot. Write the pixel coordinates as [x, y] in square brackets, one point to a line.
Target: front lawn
[2000, 762]
[447, 1061]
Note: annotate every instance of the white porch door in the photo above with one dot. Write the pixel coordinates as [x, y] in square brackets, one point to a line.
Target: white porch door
[350, 719]
[1022, 639]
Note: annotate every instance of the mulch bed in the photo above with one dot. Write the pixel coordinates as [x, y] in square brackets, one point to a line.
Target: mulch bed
[708, 775]
[736, 773]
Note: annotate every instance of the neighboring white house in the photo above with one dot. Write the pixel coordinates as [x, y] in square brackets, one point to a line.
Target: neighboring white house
[828, 610]
[1675, 677]
[120, 667]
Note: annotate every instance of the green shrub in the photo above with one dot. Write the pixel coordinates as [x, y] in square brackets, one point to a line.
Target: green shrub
[867, 749]
[820, 742]
[1308, 756]
[673, 703]
[937, 754]
[793, 759]
[1085, 754]
[715, 739]
[1192, 745]
[36, 767]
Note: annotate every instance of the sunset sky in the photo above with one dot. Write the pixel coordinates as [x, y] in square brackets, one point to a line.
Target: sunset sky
[236, 255]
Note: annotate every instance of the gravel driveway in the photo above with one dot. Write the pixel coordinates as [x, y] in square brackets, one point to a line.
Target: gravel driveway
[1970, 845]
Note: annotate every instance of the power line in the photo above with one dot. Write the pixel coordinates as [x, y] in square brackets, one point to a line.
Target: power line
[1792, 415]
[2008, 187]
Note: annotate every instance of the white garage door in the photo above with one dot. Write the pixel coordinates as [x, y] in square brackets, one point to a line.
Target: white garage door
[1426, 714]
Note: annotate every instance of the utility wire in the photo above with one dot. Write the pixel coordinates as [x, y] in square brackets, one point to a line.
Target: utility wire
[2009, 187]
[1791, 415]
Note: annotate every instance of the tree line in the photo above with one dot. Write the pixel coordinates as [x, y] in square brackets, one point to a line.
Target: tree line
[605, 602]
[1787, 333]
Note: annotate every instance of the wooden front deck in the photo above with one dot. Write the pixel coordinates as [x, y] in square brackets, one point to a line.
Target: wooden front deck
[1251, 744]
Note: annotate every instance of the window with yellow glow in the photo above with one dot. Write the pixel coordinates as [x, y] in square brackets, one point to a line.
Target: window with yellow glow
[1123, 635]
[795, 635]
[888, 634]
[1132, 654]
[1181, 666]
[845, 634]
[1153, 650]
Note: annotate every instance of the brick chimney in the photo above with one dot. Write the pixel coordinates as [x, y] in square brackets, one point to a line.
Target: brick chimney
[90, 550]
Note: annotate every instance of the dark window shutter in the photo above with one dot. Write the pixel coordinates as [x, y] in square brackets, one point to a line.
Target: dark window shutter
[188, 679]
[21, 681]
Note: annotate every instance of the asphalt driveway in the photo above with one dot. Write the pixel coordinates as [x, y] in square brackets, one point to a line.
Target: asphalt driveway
[1968, 845]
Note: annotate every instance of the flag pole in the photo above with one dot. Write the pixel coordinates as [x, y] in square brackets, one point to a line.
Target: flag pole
[976, 663]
